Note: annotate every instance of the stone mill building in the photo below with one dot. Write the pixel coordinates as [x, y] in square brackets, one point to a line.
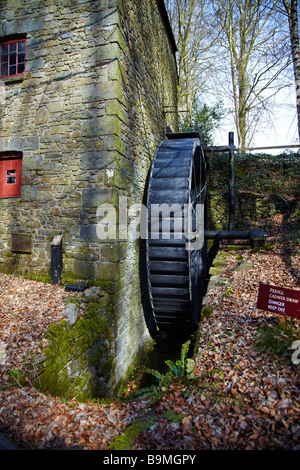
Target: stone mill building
[86, 92]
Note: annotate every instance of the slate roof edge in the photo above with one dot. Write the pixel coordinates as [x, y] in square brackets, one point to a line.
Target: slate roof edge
[165, 17]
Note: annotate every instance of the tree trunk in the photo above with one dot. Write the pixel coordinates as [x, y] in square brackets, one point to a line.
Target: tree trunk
[291, 9]
[253, 41]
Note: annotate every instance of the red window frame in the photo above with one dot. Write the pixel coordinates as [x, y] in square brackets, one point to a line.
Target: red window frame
[10, 175]
[12, 57]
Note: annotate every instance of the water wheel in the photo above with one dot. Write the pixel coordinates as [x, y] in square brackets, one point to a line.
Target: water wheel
[176, 249]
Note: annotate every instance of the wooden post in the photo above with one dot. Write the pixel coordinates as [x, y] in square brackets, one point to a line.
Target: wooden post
[56, 259]
[231, 182]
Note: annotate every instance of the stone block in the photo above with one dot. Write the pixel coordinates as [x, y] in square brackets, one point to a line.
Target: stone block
[30, 25]
[113, 142]
[93, 293]
[32, 162]
[33, 65]
[30, 143]
[41, 116]
[26, 177]
[101, 53]
[71, 313]
[101, 126]
[88, 234]
[97, 160]
[113, 107]
[56, 106]
[94, 197]
[245, 266]
[29, 193]
[101, 91]
[19, 144]
[108, 252]
[67, 35]
[107, 272]
[85, 269]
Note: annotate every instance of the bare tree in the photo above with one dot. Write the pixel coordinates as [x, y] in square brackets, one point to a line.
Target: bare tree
[254, 45]
[193, 27]
[290, 9]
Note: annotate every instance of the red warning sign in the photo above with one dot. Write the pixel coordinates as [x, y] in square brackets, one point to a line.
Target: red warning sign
[279, 300]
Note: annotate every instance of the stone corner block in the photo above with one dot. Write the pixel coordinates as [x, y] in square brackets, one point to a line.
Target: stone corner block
[94, 197]
[33, 162]
[29, 193]
[88, 234]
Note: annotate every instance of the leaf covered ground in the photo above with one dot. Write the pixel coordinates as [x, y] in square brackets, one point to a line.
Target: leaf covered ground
[241, 397]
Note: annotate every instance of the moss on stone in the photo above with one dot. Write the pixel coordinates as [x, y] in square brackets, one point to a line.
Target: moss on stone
[42, 278]
[206, 312]
[244, 266]
[78, 357]
[237, 247]
[255, 249]
[215, 271]
[141, 357]
[268, 247]
[219, 264]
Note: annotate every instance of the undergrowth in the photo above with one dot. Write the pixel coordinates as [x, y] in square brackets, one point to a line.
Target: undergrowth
[279, 339]
[182, 369]
[125, 440]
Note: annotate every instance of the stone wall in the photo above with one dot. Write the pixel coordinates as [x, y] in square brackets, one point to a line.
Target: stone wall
[78, 360]
[149, 86]
[87, 117]
[265, 186]
[57, 117]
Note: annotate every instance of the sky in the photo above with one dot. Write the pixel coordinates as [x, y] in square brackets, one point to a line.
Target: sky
[280, 130]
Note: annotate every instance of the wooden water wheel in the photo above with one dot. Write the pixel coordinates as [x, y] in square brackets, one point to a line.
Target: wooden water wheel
[176, 249]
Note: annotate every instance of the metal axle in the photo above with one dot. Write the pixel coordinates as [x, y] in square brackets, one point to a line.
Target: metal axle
[234, 235]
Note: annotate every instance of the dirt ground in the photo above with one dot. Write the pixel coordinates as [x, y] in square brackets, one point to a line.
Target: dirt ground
[240, 398]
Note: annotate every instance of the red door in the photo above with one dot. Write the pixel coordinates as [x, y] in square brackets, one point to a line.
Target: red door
[10, 177]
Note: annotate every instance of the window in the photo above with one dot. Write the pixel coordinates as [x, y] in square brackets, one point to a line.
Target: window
[12, 57]
[10, 175]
